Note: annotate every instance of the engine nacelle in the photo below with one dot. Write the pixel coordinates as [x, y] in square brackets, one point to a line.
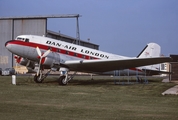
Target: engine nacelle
[51, 59]
[25, 62]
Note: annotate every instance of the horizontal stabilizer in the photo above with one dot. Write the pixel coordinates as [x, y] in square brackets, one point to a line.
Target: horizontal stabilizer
[155, 72]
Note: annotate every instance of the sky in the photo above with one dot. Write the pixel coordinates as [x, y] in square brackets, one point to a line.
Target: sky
[121, 27]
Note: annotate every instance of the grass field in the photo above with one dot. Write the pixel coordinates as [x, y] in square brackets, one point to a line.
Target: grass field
[85, 99]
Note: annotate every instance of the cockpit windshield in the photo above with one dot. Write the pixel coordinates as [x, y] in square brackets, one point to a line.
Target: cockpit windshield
[22, 39]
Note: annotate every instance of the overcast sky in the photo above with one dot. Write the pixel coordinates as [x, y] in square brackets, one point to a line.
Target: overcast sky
[119, 26]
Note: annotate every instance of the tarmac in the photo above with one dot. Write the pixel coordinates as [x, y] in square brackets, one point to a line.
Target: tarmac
[170, 91]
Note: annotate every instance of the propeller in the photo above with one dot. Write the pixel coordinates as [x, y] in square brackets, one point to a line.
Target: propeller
[17, 58]
[41, 57]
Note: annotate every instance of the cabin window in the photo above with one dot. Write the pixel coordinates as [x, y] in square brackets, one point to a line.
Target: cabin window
[75, 54]
[49, 48]
[26, 40]
[67, 52]
[57, 50]
[91, 58]
[83, 56]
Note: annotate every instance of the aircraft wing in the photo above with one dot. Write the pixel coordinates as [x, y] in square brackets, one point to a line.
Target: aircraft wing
[112, 64]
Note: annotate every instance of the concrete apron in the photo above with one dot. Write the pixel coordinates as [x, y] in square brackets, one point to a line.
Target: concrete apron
[171, 91]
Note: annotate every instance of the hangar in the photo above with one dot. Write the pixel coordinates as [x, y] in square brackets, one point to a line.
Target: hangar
[10, 27]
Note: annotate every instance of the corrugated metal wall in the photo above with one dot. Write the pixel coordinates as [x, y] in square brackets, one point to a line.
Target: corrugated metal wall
[10, 28]
[5, 35]
[29, 26]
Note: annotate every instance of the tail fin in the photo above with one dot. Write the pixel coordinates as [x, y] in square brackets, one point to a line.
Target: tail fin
[151, 50]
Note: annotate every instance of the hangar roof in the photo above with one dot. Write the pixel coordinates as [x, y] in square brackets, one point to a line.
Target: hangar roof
[70, 39]
[43, 16]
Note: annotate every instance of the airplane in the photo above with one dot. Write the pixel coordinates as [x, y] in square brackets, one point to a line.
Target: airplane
[56, 55]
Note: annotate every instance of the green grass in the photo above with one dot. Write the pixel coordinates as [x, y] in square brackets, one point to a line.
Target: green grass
[85, 99]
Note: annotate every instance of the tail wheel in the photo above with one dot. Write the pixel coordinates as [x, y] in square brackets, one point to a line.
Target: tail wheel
[62, 80]
[37, 79]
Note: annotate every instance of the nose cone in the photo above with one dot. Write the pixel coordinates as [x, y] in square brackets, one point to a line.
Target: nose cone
[8, 45]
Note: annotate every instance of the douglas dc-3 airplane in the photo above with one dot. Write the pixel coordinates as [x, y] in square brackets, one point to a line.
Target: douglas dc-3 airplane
[61, 56]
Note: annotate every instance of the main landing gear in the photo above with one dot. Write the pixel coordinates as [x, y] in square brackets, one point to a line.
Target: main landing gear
[63, 79]
[40, 77]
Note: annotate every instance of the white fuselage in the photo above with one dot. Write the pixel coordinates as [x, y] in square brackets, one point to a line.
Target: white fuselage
[25, 46]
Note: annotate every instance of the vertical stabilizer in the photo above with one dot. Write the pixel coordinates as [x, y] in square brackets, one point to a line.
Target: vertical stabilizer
[151, 50]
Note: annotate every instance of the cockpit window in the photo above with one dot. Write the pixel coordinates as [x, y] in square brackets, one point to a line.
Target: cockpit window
[26, 40]
[19, 38]
[22, 39]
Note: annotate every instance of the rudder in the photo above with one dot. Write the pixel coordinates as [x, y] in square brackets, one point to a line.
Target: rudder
[151, 50]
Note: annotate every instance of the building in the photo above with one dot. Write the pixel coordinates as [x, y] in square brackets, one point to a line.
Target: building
[174, 68]
[171, 67]
[10, 27]
[69, 39]
[165, 67]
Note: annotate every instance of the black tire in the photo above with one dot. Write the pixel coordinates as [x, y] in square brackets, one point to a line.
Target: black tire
[37, 79]
[62, 81]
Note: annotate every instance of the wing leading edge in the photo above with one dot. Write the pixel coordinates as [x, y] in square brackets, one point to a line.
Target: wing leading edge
[112, 64]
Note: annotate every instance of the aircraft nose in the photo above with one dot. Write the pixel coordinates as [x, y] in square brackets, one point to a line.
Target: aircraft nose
[7, 44]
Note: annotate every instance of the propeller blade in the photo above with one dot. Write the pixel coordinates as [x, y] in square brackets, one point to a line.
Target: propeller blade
[38, 51]
[39, 67]
[41, 56]
[46, 53]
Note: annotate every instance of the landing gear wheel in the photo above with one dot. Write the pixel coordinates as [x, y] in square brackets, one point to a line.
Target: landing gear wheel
[62, 80]
[37, 79]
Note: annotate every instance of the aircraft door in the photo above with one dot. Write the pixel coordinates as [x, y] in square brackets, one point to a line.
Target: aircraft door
[56, 57]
